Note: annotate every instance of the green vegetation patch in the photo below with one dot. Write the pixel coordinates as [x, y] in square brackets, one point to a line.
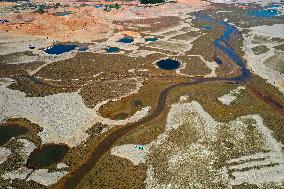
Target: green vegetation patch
[32, 89]
[279, 47]
[260, 49]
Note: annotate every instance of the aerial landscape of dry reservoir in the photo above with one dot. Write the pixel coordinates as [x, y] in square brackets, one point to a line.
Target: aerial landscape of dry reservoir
[134, 94]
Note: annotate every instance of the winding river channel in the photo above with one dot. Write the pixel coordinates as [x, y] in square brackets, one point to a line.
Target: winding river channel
[221, 43]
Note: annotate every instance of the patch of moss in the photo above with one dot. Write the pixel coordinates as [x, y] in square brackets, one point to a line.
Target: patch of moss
[279, 47]
[260, 49]
[32, 89]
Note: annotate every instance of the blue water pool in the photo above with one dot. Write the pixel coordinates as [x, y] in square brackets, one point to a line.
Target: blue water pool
[64, 13]
[126, 40]
[264, 13]
[151, 39]
[168, 64]
[83, 49]
[112, 49]
[218, 61]
[99, 6]
[60, 48]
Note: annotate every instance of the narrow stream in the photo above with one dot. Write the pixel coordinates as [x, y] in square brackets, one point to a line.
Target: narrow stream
[229, 31]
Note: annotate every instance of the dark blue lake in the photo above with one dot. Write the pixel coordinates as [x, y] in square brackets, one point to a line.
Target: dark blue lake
[112, 49]
[151, 39]
[218, 61]
[264, 13]
[60, 49]
[168, 64]
[83, 49]
[126, 40]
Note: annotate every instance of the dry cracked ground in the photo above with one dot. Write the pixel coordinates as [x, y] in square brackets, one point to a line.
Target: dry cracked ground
[122, 94]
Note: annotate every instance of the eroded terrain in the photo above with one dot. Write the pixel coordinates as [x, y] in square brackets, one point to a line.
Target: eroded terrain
[119, 94]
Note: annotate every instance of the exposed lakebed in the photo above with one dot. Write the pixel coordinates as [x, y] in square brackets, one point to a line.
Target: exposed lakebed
[47, 155]
[9, 131]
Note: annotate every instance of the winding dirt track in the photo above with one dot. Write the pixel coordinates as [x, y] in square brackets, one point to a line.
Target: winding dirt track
[221, 43]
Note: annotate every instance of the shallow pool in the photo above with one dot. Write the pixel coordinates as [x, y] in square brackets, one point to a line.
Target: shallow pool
[83, 49]
[218, 61]
[99, 6]
[60, 48]
[8, 131]
[126, 40]
[64, 13]
[151, 39]
[46, 156]
[264, 13]
[112, 49]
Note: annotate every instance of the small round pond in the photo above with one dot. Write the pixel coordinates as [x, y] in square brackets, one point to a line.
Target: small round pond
[112, 49]
[64, 13]
[8, 131]
[168, 64]
[47, 155]
[126, 40]
[218, 60]
[83, 49]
